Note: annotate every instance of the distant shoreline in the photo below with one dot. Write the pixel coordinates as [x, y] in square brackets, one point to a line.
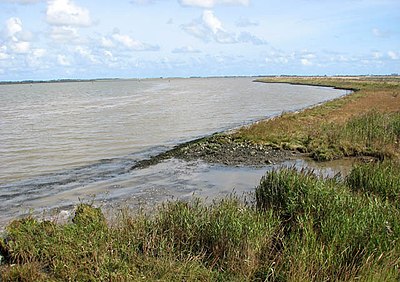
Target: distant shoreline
[66, 80]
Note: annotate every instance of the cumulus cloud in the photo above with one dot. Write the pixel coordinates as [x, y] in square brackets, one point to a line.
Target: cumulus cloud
[211, 3]
[209, 28]
[67, 13]
[124, 41]
[212, 22]
[86, 54]
[13, 26]
[17, 39]
[64, 34]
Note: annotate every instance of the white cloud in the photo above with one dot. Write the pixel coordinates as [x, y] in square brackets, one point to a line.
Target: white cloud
[64, 34]
[109, 55]
[63, 61]
[17, 39]
[306, 62]
[86, 54]
[186, 50]
[34, 58]
[3, 53]
[133, 44]
[278, 57]
[38, 53]
[393, 55]
[13, 26]
[209, 28]
[107, 42]
[20, 47]
[67, 13]
[211, 3]
[212, 22]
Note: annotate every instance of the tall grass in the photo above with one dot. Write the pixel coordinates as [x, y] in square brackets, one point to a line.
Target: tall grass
[181, 241]
[371, 134]
[299, 227]
[381, 179]
[330, 231]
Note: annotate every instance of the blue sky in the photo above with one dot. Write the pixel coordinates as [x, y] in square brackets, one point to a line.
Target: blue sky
[55, 39]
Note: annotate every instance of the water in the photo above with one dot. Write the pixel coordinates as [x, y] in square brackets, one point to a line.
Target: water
[61, 142]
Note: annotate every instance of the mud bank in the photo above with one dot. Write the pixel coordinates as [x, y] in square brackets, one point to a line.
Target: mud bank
[224, 149]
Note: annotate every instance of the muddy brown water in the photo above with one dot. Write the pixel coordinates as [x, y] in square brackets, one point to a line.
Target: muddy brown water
[61, 143]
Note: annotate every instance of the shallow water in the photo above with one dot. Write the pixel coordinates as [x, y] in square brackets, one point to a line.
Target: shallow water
[61, 142]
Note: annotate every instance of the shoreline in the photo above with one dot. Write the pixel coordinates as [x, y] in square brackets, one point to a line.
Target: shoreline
[226, 149]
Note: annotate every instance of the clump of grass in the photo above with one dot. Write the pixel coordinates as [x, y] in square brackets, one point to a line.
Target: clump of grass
[181, 241]
[330, 231]
[378, 178]
[371, 134]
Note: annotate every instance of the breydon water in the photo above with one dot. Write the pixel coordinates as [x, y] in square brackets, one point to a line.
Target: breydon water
[61, 143]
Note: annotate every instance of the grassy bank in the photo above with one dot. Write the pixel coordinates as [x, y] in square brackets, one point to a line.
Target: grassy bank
[297, 227]
[365, 123]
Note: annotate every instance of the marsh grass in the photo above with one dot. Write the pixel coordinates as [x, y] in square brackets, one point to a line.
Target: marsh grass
[364, 123]
[381, 179]
[330, 231]
[298, 227]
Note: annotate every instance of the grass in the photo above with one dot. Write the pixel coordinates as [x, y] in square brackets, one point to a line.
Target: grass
[365, 123]
[297, 227]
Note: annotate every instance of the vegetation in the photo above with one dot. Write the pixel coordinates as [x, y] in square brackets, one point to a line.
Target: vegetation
[365, 123]
[296, 227]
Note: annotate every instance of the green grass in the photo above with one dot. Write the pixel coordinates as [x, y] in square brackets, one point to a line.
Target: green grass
[381, 179]
[298, 227]
[365, 123]
[371, 134]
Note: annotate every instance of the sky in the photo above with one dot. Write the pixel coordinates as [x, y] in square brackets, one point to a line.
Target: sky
[84, 39]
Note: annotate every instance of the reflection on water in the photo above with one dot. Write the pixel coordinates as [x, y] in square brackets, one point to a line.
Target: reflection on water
[63, 141]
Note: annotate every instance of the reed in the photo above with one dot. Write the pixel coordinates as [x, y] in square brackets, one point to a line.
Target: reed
[378, 178]
[298, 227]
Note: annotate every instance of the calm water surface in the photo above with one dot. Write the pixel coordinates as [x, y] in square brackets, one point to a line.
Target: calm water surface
[60, 142]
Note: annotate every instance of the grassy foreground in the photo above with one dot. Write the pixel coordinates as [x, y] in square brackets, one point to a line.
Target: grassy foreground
[296, 227]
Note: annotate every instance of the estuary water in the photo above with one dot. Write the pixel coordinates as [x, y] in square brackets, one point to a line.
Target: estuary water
[64, 142]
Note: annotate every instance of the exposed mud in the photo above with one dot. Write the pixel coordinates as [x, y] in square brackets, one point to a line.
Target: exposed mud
[226, 150]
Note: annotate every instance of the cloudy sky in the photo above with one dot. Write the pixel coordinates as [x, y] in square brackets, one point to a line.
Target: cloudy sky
[55, 39]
